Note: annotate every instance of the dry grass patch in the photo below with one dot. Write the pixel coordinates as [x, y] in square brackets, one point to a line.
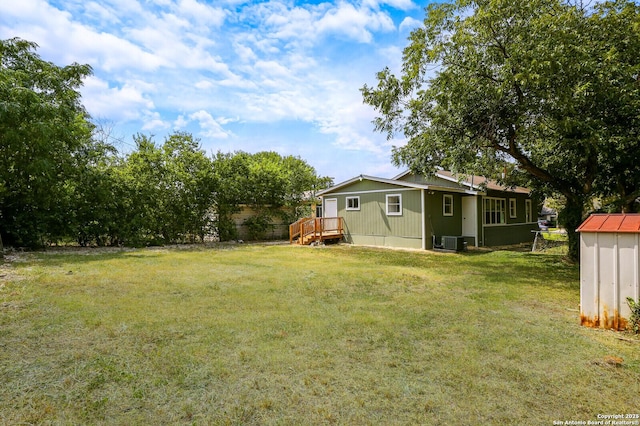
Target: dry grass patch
[290, 335]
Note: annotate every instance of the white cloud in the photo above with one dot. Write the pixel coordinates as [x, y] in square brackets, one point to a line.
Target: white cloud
[202, 13]
[351, 127]
[272, 69]
[209, 126]
[409, 24]
[127, 8]
[354, 23]
[166, 44]
[189, 64]
[153, 121]
[115, 103]
[101, 13]
[27, 11]
[304, 25]
[244, 53]
[180, 123]
[110, 52]
[295, 23]
[396, 4]
[67, 40]
[204, 85]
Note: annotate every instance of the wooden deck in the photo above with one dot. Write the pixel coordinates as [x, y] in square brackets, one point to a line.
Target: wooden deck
[309, 230]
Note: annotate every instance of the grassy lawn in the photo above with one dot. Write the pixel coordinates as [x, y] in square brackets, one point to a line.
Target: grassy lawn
[553, 235]
[257, 334]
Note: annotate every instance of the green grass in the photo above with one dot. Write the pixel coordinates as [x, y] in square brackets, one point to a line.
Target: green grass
[294, 335]
[552, 235]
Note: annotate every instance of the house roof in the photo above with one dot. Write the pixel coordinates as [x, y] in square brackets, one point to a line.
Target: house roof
[615, 222]
[479, 182]
[393, 181]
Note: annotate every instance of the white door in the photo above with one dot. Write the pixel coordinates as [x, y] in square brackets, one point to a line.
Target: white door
[330, 207]
[470, 217]
[330, 211]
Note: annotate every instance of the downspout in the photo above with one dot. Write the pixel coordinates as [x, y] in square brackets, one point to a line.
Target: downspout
[481, 218]
[424, 223]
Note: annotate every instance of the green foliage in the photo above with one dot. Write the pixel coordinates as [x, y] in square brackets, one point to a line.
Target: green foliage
[267, 182]
[544, 84]
[60, 179]
[96, 206]
[230, 174]
[634, 319]
[259, 225]
[43, 131]
[168, 191]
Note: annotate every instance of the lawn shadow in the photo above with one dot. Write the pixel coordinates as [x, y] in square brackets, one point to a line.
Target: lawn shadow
[494, 265]
[552, 270]
[56, 256]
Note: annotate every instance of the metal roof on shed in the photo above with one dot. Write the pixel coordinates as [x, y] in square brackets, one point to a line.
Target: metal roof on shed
[615, 222]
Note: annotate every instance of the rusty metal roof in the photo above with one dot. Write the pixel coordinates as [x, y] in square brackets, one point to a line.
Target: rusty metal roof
[614, 222]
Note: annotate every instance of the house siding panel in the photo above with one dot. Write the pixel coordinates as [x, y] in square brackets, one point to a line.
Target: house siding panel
[444, 225]
[502, 235]
[515, 230]
[372, 226]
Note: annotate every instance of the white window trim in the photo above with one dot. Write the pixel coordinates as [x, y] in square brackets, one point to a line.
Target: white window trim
[484, 211]
[513, 208]
[346, 200]
[528, 211]
[444, 204]
[399, 213]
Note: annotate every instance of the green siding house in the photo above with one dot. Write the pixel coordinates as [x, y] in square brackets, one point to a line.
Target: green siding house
[413, 211]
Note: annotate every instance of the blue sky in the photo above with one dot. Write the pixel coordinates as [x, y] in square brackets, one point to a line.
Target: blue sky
[239, 75]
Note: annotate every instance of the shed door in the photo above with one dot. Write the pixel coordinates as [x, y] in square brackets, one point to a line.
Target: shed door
[470, 218]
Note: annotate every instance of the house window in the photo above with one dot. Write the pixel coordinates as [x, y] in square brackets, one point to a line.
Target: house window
[394, 205]
[528, 211]
[353, 203]
[447, 205]
[512, 208]
[494, 211]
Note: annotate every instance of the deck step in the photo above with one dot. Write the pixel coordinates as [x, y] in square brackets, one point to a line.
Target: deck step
[309, 239]
[309, 230]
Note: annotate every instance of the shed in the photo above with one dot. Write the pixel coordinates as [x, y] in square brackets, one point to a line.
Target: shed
[609, 269]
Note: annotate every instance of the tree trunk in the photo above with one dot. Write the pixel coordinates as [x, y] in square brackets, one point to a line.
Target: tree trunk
[571, 218]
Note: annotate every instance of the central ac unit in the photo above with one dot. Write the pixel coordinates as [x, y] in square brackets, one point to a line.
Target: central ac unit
[453, 243]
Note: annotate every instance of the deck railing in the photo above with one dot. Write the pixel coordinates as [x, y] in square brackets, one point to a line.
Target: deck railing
[319, 228]
[295, 228]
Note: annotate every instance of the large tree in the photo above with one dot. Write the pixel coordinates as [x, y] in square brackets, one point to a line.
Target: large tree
[43, 127]
[548, 87]
[190, 188]
[165, 191]
[272, 184]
